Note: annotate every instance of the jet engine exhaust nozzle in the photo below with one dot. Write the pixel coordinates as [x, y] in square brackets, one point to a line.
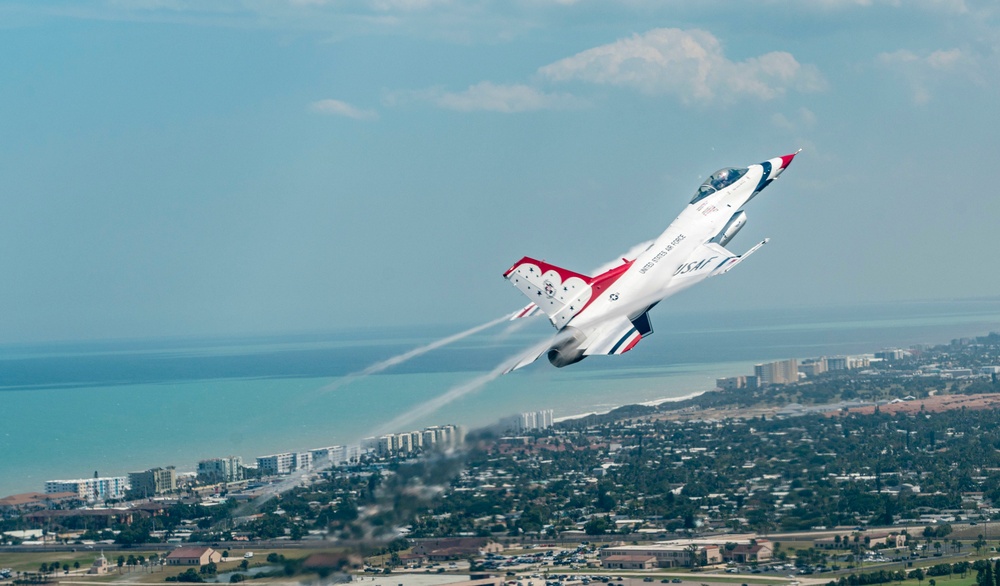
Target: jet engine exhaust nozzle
[569, 350]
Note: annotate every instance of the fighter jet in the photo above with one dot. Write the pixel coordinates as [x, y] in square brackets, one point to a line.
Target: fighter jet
[609, 313]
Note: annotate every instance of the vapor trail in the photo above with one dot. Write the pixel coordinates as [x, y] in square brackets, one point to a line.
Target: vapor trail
[401, 358]
[458, 391]
[424, 409]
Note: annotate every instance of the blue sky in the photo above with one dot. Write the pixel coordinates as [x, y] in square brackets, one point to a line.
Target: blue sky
[179, 167]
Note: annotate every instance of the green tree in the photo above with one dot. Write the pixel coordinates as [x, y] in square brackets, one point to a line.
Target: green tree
[692, 551]
[597, 526]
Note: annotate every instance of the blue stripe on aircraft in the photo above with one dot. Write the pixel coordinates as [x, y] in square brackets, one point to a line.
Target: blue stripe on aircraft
[622, 341]
[763, 178]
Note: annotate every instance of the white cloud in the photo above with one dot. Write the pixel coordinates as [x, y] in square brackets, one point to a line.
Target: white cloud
[339, 108]
[801, 119]
[945, 59]
[922, 72]
[940, 60]
[688, 64]
[491, 97]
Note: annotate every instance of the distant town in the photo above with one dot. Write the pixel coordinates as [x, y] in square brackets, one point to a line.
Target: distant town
[829, 469]
[231, 473]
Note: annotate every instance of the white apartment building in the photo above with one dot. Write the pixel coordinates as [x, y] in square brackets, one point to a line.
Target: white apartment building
[228, 469]
[91, 489]
[276, 464]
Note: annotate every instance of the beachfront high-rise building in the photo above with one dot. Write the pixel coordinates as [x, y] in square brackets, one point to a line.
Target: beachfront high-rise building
[412, 442]
[91, 489]
[813, 367]
[528, 421]
[352, 454]
[285, 463]
[777, 373]
[217, 470]
[386, 445]
[303, 461]
[331, 456]
[731, 383]
[276, 464]
[891, 355]
[152, 482]
[855, 362]
[836, 363]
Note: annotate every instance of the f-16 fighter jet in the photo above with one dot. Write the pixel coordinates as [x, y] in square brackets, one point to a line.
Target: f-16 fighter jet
[609, 313]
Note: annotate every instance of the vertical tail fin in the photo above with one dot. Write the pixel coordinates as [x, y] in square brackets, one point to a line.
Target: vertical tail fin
[558, 292]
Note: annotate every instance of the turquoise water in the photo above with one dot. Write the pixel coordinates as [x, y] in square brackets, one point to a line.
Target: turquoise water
[69, 410]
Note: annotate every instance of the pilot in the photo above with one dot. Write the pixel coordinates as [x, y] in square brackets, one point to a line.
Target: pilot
[721, 179]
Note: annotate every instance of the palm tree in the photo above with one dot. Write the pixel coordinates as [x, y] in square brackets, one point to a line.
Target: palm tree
[979, 544]
[692, 550]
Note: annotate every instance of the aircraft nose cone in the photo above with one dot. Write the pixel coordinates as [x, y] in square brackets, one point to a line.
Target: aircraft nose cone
[787, 159]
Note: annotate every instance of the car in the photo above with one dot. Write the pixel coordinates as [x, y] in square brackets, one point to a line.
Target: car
[676, 581]
[647, 579]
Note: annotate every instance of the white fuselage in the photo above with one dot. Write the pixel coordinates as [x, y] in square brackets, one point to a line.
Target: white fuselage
[672, 262]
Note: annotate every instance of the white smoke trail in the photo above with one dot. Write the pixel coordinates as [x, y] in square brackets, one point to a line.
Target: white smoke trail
[423, 410]
[631, 253]
[399, 359]
[460, 390]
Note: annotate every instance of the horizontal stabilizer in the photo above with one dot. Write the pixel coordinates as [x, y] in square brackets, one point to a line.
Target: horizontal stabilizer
[526, 311]
[558, 292]
[527, 357]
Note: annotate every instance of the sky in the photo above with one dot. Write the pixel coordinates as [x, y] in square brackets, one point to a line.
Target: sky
[182, 167]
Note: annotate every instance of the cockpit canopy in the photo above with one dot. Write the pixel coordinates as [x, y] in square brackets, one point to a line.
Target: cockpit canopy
[721, 179]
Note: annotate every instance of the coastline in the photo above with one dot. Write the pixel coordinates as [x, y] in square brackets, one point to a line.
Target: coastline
[153, 413]
[650, 403]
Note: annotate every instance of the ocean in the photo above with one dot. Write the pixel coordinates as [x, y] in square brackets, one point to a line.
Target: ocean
[69, 410]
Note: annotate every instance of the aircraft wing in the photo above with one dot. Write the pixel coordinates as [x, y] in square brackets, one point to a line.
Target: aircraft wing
[734, 260]
[712, 259]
